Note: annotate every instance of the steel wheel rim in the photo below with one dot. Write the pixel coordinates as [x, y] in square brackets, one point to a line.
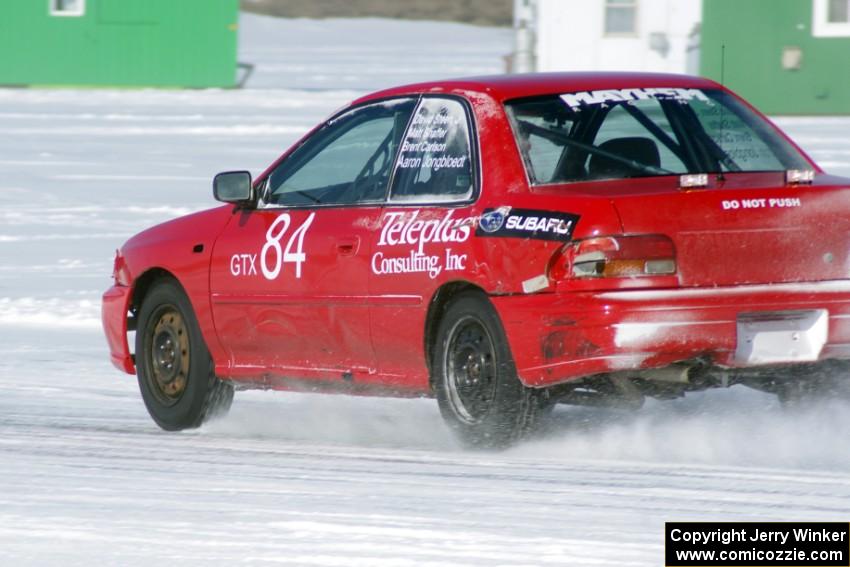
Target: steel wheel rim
[469, 365]
[168, 356]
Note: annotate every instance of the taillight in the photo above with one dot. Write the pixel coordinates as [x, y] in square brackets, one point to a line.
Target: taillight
[615, 257]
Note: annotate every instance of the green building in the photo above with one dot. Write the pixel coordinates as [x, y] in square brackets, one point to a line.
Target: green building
[785, 56]
[160, 43]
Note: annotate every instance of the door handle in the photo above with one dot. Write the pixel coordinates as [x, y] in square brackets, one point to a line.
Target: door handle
[348, 246]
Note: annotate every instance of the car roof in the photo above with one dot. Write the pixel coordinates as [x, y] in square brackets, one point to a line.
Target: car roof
[506, 87]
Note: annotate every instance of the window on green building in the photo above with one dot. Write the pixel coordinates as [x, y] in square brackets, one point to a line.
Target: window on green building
[620, 17]
[839, 11]
[831, 18]
[67, 7]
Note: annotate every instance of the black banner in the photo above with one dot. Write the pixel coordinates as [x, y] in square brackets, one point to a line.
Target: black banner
[757, 544]
[527, 223]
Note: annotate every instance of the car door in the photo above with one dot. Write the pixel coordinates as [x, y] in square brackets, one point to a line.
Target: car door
[424, 234]
[289, 279]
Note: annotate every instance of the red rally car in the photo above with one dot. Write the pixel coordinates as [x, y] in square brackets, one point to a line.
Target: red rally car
[503, 243]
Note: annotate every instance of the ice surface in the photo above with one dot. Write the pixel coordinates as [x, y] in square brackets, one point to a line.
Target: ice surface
[86, 478]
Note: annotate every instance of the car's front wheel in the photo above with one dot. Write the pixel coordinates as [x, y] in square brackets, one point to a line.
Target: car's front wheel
[175, 371]
[476, 383]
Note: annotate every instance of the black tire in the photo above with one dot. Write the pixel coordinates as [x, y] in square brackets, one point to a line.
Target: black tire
[174, 367]
[475, 379]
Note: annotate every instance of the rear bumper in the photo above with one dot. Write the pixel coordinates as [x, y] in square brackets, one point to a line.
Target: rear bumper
[558, 337]
[116, 303]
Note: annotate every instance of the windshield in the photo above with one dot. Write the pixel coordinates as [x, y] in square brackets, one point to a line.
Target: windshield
[615, 134]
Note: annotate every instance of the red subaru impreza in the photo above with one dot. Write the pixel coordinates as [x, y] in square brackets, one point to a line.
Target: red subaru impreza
[504, 244]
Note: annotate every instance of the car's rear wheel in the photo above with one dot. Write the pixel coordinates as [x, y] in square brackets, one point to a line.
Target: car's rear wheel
[175, 371]
[476, 383]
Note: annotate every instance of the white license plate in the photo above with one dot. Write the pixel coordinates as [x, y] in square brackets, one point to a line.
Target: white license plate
[781, 336]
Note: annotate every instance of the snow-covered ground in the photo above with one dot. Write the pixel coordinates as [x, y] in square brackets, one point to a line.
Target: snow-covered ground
[87, 478]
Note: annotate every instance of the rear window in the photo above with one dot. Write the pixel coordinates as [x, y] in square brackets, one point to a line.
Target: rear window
[615, 134]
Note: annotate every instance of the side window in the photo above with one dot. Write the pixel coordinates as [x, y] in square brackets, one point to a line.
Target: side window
[435, 162]
[348, 161]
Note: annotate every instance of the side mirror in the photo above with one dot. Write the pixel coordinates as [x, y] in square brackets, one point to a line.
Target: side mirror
[234, 187]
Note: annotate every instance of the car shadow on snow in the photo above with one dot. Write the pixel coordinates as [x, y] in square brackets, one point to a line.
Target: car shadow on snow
[336, 420]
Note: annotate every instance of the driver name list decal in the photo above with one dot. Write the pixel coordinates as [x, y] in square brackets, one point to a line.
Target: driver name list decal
[426, 141]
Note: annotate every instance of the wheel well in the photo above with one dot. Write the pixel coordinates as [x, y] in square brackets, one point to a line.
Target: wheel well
[143, 284]
[436, 309]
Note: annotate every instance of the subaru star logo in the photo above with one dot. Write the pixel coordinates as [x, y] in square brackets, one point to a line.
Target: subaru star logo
[493, 221]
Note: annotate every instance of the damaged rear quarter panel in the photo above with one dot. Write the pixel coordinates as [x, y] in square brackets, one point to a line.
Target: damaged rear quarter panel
[503, 258]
